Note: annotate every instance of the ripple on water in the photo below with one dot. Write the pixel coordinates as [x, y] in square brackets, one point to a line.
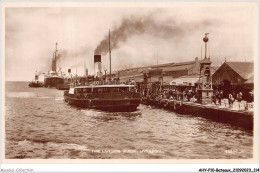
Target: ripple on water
[49, 128]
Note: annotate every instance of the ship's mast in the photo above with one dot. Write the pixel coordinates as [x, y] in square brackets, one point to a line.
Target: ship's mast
[56, 47]
[55, 53]
[54, 58]
[109, 52]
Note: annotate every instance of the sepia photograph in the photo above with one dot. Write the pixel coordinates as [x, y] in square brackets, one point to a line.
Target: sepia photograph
[118, 81]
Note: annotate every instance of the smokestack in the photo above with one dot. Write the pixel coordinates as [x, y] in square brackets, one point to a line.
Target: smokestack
[97, 58]
[97, 61]
[36, 77]
[86, 72]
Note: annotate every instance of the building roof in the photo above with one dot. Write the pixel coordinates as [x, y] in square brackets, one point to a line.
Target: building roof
[155, 78]
[136, 78]
[250, 80]
[185, 80]
[244, 69]
[167, 79]
[178, 68]
[164, 65]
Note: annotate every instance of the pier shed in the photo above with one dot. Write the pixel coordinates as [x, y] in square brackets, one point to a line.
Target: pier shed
[234, 77]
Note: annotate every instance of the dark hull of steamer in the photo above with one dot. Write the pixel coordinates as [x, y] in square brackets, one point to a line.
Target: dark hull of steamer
[128, 102]
[63, 86]
[53, 81]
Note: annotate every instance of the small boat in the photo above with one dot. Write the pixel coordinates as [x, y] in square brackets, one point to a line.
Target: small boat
[36, 83]
[104, 97]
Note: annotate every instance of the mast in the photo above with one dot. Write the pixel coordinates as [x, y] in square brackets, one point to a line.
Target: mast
[56, 47]
[109, 52]
[84, 70]
[54, 59]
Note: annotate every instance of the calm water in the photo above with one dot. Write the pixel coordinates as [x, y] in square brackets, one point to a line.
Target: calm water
[39, 124]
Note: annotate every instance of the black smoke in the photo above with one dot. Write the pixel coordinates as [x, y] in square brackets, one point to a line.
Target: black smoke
[150, 24]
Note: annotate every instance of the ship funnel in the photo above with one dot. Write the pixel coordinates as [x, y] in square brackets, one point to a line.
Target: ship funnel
[86, 72]
[97, 62]
[36, 77]
[97, 58]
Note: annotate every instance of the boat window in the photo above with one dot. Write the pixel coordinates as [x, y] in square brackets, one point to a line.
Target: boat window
[86, 90]
[95, 90]
[111, 90]
[105, 90]
[123, 89]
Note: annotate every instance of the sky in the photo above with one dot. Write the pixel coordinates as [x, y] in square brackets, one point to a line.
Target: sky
[140, 36]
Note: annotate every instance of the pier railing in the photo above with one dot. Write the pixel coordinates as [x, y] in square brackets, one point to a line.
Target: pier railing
[111, 82]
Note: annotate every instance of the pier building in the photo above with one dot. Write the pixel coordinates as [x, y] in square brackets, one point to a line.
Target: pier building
[163, 73]
[233, 77]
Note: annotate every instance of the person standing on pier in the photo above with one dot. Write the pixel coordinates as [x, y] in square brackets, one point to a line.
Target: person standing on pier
[239, 96]
[220, 96]
[230, 100]
[214, 97]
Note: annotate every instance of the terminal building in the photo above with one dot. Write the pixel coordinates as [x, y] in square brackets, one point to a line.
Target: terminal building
[185, 73]
[231, 77]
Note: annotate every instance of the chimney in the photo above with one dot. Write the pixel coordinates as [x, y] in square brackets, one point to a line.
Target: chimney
[97, 61]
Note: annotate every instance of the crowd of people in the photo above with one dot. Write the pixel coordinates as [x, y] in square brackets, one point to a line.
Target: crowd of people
[173, 94]
[191, 95]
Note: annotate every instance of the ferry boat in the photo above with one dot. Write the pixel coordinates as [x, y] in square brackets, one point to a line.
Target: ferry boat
[104, 94]
[105, 97]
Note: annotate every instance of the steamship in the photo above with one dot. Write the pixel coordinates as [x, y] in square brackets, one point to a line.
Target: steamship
[53, 78]
[104, 94]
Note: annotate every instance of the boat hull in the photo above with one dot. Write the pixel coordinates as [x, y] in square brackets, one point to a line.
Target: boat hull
[53, 81]
[35, 85]
[63, 86]
[124, 105]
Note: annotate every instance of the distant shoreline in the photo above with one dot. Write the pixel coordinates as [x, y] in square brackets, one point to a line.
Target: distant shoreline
[17, 81]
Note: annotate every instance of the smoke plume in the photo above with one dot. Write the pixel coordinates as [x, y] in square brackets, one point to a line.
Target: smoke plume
[150, 24]
[72, 57]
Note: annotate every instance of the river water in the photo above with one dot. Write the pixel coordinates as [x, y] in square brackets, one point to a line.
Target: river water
[40, 125]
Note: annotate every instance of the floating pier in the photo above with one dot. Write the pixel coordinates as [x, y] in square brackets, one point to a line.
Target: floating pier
[240, 118]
